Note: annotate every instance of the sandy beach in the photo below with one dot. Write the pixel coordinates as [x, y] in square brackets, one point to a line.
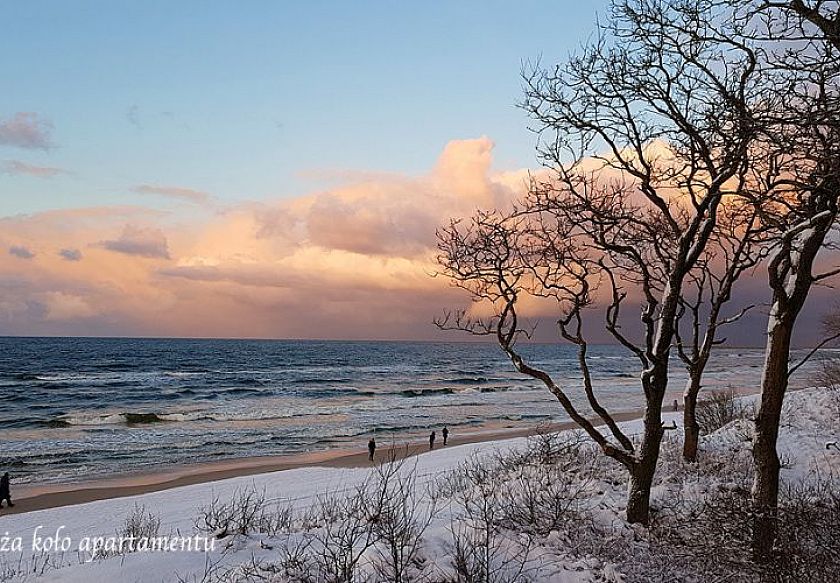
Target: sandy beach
[29, 498]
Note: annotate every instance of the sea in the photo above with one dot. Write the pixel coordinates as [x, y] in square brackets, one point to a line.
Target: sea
[75, 409]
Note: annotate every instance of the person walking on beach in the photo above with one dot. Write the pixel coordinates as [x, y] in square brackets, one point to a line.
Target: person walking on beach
[445, 433]
[5, 494]
[432, 440]
[371, 448]
[676, 405]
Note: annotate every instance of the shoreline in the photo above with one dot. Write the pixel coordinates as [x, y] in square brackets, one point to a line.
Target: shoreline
[31, 498]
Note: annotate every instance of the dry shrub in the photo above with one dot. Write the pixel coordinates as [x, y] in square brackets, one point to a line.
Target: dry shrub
[720, 408]
[247, 512]
[140, 524]
[373, 532]
[710, 540]
[482, 551]
[829, 377]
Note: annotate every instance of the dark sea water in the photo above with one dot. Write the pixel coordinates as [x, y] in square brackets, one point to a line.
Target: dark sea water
[75, 408]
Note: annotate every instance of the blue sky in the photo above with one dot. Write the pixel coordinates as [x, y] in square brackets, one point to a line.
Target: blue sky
[254, 100]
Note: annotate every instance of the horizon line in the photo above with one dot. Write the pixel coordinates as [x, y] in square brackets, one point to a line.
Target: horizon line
[291, 339]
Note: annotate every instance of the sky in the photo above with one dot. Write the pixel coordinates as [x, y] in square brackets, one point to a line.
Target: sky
[256, 169]
[255, 100]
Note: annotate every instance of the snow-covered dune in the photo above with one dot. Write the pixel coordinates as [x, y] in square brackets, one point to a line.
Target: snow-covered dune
[810, 422]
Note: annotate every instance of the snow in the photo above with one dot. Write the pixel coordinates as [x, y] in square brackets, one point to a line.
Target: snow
[810, 421]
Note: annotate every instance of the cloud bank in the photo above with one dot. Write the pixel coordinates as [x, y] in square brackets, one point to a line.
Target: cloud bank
[354, 260]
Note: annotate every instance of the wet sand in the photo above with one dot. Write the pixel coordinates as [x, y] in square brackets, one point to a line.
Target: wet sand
[39, 497]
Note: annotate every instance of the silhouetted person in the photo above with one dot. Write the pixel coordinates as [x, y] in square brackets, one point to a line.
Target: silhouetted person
[4, 490]
[371, 448]
[676, 405]
[432, 440]
[445, 433]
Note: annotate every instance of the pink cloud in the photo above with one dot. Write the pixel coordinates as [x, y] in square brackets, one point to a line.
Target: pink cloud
[16, 167]
[392, 215]
[353, 260]
[26, 130]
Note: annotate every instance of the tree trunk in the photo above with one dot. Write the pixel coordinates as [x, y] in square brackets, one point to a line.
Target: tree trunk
[765, 490]
[641, 475]
[638, 497]
[691, 430]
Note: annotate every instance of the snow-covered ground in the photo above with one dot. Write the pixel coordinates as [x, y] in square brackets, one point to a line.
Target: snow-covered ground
[811, 421]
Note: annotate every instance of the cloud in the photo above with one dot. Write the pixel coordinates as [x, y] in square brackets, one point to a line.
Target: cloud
[70, 254]
[149, 243]
[16, 167]
[26, 130]
[392, 215]
[21, 252]
[188, 194]
[64, 306]
[352, 260]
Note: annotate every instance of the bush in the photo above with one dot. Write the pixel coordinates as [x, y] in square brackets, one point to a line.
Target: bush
[139, 524]
[482, 552]
[829, 376]
[710, 540]
[400, 519]
[247, 512]
[720, 408]
[372, 533]
[808, 543]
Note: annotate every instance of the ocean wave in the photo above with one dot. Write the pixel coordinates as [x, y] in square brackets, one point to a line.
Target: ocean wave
[184, 374]
[25, 376]
[45, 377]
[241, 391]
[12, 463]
[471, 380]
[324, 380]
[16, 398]
[82, 407]
[426, 392]
[223, 416]
[127, 418]
[55, 423]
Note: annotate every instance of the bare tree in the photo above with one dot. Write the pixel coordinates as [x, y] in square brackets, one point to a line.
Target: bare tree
[643, 139]
[735, 247]
[801, 44]
[824, 15]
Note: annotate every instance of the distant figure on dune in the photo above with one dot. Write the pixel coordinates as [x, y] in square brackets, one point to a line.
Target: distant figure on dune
[432, 440]
[371, 448]
[5, 494]
[445, 433]
[676, 405]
